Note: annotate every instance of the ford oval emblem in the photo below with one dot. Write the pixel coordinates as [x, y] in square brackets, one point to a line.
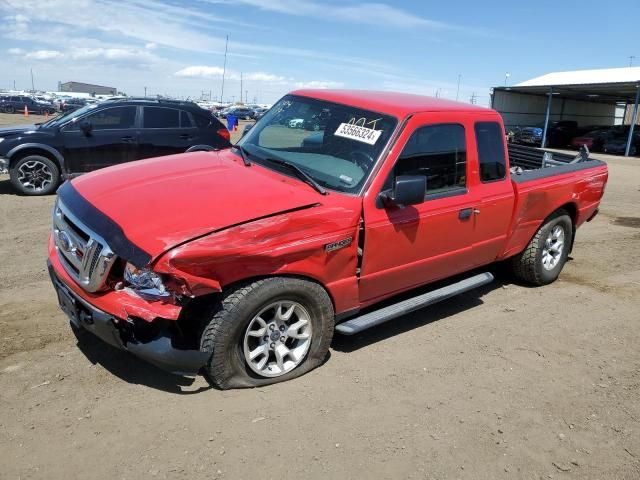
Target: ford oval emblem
[64, 242]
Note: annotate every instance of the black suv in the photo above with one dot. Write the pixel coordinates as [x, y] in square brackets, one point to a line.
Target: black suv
[16, 103]
[111, 132]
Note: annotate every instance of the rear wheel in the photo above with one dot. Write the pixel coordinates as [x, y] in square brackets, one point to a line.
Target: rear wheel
[9, 109]
[543, 259]
[34, 175]
[268, 331]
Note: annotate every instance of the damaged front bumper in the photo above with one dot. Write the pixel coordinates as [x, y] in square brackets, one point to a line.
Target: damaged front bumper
[121, 333]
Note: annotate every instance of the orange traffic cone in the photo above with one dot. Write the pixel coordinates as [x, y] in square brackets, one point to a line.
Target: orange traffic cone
[46, 114]
[26, 112]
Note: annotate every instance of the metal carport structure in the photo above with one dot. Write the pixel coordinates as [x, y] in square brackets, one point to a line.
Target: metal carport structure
[591, 94]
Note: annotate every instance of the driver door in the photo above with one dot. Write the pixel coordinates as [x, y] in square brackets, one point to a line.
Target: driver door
[405, 247]
[113, 139]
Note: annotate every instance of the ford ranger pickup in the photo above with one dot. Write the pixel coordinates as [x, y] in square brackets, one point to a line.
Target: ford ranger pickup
[241, 263]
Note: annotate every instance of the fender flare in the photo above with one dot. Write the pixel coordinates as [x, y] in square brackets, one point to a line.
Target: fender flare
[56, 154]
[201, 148]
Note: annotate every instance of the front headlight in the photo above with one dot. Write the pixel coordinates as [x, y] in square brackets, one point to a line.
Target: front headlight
[1, 139]
[145, 282]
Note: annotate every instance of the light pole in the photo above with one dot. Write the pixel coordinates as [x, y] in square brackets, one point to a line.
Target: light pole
[506, 77]
[631, 59]
[458, 90]
[145, 92]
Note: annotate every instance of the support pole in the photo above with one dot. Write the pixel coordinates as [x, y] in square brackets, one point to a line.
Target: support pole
[634, 119]
[546, 119]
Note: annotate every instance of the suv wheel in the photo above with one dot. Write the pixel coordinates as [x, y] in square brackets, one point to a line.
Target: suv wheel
[34, 175]
[268, 331]
[9, 109]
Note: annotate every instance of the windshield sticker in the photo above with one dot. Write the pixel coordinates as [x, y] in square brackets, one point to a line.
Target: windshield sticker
[357, 133]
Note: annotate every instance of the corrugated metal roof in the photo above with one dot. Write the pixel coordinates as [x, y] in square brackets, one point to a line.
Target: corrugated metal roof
[585, 77]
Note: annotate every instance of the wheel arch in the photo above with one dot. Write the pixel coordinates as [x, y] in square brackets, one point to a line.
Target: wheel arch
[230, 287]
[47, 151]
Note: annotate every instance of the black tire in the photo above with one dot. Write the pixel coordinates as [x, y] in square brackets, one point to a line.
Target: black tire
[224, 333]
[46, 165]
[9, 109]
[528, 265]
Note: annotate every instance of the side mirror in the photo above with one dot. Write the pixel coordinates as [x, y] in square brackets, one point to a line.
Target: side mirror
[86, 127]
[246, 129]
[407, 190]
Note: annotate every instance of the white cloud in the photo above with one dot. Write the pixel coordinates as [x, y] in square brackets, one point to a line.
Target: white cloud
[43, 55]
[211, 72]
[264, 77]
[379, 14]
[200, 71]
[319, 84]
[15, 51]
[150, 46]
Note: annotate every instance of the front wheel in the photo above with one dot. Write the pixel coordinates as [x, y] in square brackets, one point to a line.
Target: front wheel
[34, 175]
[543, 259]
[268, 331]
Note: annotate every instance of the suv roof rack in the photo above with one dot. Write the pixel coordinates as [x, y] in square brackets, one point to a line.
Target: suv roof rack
[153, 100]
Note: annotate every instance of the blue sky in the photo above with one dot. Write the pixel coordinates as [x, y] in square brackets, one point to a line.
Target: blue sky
[177, 48]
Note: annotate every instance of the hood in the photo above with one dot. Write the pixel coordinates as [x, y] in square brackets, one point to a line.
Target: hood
[163, 202]
[17, 130]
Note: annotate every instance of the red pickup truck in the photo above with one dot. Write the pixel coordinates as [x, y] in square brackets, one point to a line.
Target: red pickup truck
[242, 262]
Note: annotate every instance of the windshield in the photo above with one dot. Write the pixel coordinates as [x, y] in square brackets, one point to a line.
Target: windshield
[337, 145]
[60, 119]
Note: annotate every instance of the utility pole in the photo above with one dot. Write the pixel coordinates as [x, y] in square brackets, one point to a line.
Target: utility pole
[33, 89]
[246, 96]
[631, 59]
[473, 98]
[224, 68]
[458, 90]
[240, 87]
[506, 77]
[145, 92]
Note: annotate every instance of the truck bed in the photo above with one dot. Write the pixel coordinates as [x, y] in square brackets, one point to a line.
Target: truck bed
[529, 163]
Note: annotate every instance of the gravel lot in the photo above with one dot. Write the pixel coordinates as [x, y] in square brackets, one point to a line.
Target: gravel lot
[504, 382]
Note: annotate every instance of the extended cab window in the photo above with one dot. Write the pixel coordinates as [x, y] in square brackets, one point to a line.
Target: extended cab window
[493, 165]
[158, 117]
[115, 118]
[439, 153]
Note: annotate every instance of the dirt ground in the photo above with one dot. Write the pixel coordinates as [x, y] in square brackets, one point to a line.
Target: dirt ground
[503, 382]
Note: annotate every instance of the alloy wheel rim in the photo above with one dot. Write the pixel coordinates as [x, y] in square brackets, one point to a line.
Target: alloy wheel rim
[278, 338]
[35, 175]
[553, 248]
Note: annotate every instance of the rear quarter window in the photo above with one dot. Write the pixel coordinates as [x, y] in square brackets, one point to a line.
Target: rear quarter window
[490, 141]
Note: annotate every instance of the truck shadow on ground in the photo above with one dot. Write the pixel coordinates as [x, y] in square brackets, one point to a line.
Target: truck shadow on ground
[428, 314]
[133, 370]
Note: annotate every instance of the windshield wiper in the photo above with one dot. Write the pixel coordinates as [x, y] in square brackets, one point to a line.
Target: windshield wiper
[243, 154]
[304, 176]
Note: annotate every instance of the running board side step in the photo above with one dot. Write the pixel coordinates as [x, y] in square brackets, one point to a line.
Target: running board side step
[371, 319]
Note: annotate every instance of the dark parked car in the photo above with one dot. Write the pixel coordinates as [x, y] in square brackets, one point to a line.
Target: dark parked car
[258, 113]
[73, 104]
[16, 103]
[38, 157]
[238, 112]
[559, 134]
[594, 140]
[618, 144]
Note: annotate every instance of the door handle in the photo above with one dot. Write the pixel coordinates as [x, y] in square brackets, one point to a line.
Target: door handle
[465, 213]
[127, 139]
[186, 136]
